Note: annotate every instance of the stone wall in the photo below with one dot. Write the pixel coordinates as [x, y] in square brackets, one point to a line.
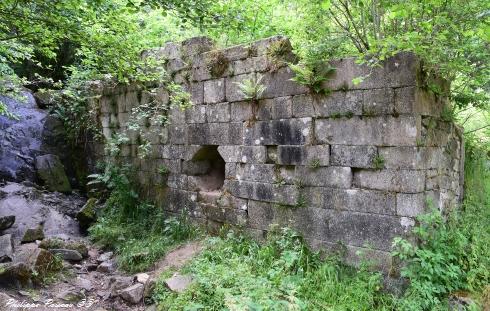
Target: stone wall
[355, 166]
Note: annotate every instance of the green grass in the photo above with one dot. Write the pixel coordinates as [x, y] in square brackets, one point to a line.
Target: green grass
[236, 273]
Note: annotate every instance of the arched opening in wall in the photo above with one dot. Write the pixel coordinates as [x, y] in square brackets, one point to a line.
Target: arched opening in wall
[209, 168]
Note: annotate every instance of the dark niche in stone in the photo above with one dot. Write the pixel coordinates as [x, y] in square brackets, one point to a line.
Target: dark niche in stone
[208, 167]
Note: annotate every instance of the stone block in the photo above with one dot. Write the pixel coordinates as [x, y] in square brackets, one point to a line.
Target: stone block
[390, 180]
[411, 157]
[302, 106]
[303, 155]
[398, 71]
[279, 132]
[332, 176]
[264, 110]
[356, 200]
[230, 153]
[350, 228]
[378, 102]
[197, 45]
[177, 134]
[410, 204]
[413, 100]
[171, 50]
[218, 112]
[198, 134]
[196, 114]
[279, 83]
[176, 115]
[237, 52]
[174, 65]
[260, 46]
[224, 134]
[338, 104]
[253, 154]
[230, 170]
[280, 194]
[265, 173]
[386, 130]
[241, 111]
[251, 64]
[233, 91]
[196, 90]
[353, 156]
[214, 91]
[282, 107]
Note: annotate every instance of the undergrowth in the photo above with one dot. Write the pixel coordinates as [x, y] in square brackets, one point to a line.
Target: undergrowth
[139, 232]
[237, 273]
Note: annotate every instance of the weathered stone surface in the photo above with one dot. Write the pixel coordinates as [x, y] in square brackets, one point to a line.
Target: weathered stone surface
[391, 180]
[253, 154]
[378, 102]
[411, 157]
[312, 156]
[281, 194]
[410, 204]
[107, 267]
[133, 294]
[56, 243]
[353, 156]
[52, 173]
[282, 108]
[340, 177]
[6, 222]
[279, 83]
[67, 254]
[356, 229]
[142, 278]
[33, 234]
[178, 283]
[339, 104]
[398, 71]
[214, 91]
[413, 100]
[118, 283]
[386, 130]
[218, 112]
[36, 259]
[87, 214]
[105, 257]
[6, 248]
[279, 132]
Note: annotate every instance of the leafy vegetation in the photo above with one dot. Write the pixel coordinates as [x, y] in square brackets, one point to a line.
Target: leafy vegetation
[140, 233]
[236, 273]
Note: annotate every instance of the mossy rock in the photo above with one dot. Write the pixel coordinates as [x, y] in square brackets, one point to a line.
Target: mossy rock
[88, 213]
[33, 234]
[57, 243]
[52, 173]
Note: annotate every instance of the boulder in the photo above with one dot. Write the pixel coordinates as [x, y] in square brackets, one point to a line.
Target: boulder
[33, 234]
[142, 278]
[87, 214]
[67, 254]
[133, 294]
[107, 267]
[57, 243]
[178, 283]
[104, 257]
[51, 171]
[117, 283]
[17, 274]
[70, 295]
[6, 248]
[36, 259]
[6, 222]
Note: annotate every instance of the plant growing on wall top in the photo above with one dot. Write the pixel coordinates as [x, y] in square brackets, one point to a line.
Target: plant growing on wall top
[312, 75]
[252, 89]
[279, 53]
[217, 63]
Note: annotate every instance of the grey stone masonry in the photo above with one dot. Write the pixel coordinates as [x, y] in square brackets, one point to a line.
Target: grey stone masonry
[355, 166]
